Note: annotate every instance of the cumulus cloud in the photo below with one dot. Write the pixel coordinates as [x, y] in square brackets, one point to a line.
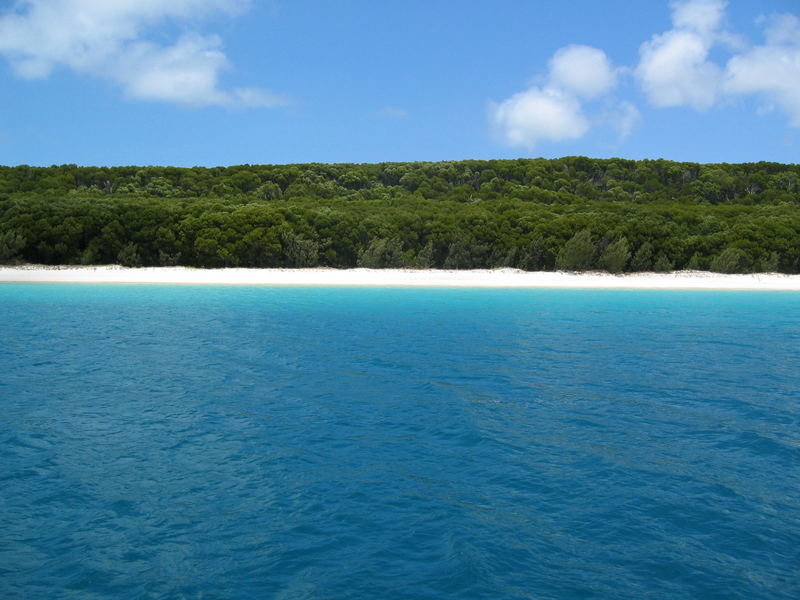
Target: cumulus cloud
[555, 112]
[702, 16]
[674, 67]
[583, 71]
[393, 112]
[538, 114]
[772, 70]
[108, 40]
[624, 119]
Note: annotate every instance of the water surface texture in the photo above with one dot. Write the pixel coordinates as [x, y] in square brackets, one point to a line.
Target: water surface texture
[256, 442]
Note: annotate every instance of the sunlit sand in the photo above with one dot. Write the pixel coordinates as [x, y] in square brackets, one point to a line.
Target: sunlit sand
[497, 278]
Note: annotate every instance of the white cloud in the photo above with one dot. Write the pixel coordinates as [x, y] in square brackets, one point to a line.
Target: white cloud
[583, 71]
[674, 69]
[250, 97]
[772, 70]
[184, 73]
[538, 114]
[107, 39]
[702, 16]
[783, 30]
[554, 112]
[624, 119]
[393, 112]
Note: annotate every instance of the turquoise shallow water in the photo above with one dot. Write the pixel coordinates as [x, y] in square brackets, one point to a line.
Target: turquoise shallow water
[255, 442]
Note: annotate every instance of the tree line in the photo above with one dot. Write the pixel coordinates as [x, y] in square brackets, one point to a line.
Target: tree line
[573, 213]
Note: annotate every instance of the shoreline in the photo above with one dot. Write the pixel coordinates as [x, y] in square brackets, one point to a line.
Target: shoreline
[482, 278]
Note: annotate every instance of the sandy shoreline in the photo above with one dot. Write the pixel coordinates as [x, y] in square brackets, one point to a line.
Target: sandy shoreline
[498, 278]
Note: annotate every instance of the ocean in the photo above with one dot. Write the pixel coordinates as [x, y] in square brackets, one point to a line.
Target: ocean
[203, 442]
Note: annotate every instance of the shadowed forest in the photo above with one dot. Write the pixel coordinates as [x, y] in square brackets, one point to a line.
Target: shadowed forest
[572, 213]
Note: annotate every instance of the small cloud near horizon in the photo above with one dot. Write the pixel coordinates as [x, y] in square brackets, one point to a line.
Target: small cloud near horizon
[393, 112]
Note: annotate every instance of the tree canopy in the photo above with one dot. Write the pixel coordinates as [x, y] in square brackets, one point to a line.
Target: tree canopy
[572, 213]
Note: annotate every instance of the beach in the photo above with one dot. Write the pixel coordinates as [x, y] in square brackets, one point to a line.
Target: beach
[496, 278]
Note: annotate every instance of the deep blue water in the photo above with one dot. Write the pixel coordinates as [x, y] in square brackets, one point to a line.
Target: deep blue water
[256, 442]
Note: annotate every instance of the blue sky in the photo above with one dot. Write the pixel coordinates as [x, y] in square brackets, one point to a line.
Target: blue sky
[221, 82]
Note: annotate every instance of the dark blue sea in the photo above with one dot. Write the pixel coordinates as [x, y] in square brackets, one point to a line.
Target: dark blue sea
[207, 442]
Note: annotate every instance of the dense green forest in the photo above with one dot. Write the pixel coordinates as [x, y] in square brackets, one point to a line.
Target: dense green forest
[572, 213]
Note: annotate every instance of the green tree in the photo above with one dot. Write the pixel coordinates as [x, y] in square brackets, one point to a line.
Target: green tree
[578, 253]
[531, 257]
[129, 256]
[11, 246]
[662, 264]
[424, 258]
[643, 259]
[270, 191]
[300, 251]
[615, 257]
[382, 253]
[465, 252]
[697, 262]
[769, 264]
[730, 260]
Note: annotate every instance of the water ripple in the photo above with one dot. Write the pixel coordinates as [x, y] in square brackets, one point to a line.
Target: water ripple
[201, 442]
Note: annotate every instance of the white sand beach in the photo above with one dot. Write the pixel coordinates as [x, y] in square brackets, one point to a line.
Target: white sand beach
[497, 278]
